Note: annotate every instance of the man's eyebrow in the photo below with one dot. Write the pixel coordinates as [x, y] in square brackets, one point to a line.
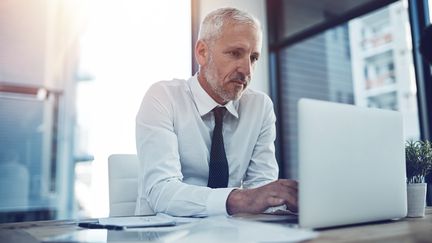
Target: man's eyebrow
[255, 54]
[240, 48]
[237, 48]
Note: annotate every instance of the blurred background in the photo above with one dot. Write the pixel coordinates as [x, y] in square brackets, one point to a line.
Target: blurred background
[73, 73]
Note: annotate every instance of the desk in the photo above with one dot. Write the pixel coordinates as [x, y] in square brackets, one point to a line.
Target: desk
[405, 230]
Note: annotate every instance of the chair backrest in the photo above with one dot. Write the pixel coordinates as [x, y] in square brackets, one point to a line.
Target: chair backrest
[123, 184]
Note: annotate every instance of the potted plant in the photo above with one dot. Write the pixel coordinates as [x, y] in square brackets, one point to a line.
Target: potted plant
[418, 156]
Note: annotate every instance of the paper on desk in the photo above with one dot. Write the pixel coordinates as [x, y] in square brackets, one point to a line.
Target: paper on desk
[140, 221]
[227, 229]
[279, 210]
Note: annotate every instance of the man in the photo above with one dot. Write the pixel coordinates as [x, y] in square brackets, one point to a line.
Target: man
[197, 160]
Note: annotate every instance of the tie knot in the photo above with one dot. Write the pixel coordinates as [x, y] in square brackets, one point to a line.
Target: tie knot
[218, 114]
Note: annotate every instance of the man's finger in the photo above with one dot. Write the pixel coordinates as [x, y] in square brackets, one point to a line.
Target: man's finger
[274, 201]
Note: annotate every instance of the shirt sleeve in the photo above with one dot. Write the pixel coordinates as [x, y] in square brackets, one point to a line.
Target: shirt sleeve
[263, 167]
[160, 182]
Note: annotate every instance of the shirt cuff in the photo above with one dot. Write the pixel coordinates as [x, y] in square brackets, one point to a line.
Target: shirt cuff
[216, 201]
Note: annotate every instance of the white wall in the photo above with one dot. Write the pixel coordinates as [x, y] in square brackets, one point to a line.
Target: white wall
[36, 38]
[22, 41]
[260, 79]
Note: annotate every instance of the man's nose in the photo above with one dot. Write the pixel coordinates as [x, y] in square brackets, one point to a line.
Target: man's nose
[245, 66]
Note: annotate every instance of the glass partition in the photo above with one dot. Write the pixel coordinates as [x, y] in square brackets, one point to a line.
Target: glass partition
[27, 174]
[366, 61]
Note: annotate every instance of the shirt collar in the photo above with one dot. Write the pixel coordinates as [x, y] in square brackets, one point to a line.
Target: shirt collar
[204, 102]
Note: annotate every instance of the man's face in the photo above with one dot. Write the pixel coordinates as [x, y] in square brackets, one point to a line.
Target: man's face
[229, 62]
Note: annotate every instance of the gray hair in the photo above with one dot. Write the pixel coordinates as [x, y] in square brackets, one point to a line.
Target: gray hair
[211, 27]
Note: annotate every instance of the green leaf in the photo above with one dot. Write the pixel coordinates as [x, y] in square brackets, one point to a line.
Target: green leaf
[418, 156]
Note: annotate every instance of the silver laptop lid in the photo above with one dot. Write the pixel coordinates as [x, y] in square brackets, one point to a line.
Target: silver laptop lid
[351, 164]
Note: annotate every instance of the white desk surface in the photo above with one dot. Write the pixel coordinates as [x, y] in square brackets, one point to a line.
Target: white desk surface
[404, 230]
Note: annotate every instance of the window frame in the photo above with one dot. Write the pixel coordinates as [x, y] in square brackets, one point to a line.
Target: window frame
[419, 17]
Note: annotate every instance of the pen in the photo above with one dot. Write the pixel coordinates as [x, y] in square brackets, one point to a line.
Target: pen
[90, 225]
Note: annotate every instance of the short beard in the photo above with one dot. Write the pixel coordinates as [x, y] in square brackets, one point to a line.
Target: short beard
[212, 79]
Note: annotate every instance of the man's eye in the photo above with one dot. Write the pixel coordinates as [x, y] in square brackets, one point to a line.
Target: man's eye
[234, 53]
[254, 59]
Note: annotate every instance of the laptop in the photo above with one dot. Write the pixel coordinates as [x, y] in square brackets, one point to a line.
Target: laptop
[351, 164]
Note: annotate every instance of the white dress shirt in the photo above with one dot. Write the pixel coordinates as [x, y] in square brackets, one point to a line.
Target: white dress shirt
[173, 136]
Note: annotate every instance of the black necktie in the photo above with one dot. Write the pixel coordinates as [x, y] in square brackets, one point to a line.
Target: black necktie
[218, 168]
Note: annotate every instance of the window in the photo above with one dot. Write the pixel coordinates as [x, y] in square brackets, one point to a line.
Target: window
[69, 93]
[366, 61]
[430, 11]
[28, 189]
[121, 56]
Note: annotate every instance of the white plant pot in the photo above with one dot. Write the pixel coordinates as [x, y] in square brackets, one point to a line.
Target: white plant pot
[416, 195]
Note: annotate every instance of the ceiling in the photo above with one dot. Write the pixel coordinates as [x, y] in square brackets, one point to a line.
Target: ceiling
[335, 7]
[300, 15]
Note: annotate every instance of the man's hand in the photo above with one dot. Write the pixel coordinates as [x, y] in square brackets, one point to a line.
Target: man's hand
[280, 192]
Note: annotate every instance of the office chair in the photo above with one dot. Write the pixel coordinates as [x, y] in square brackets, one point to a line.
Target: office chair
[123, 184]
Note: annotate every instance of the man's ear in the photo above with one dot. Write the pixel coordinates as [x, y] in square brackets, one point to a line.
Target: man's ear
[201, 52]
